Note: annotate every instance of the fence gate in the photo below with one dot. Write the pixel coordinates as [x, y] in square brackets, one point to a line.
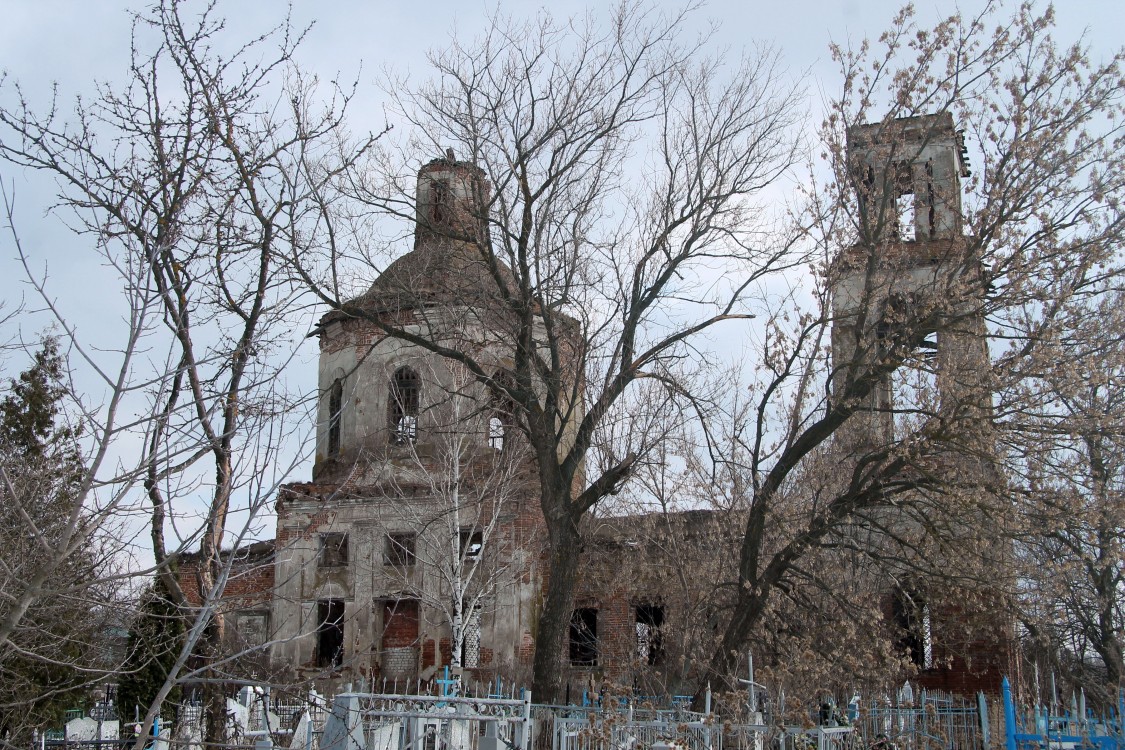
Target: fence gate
[366, 721]
[630, 729]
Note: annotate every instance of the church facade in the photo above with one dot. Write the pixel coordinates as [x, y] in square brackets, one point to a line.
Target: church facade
[418, 542]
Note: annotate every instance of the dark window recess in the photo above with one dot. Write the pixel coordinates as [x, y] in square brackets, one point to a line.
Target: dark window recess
[912, 617]
[330, 633]
[335, 409]
[400, 549]
[405, 397]
[440, 199]
[898, 318]
[931, 202]
[471, 544]
[650, 640]
[333, 550]
[584, 637]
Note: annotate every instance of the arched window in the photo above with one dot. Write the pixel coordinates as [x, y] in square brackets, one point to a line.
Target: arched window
[496, 430]
[335, 410]
[501, 416]
[405, 397]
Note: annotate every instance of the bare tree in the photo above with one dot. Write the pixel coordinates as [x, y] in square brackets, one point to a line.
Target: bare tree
[1066, 470]
[192, 180]
[1039, 218]
[464, 536]
[595, 282]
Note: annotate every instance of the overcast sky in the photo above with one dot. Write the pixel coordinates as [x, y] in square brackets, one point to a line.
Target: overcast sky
[76, 42]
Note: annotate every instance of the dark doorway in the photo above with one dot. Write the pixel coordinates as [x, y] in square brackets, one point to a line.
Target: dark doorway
[650, 641]
[912, 618]
[330, 633]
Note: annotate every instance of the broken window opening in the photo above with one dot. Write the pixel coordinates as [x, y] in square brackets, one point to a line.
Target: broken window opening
[405, 397]
[496, 431]
[470, 544]
[584, 637]
[501, 417]
[904, 210]
[913, 389]
[400, 549]
[931, 201]
[333, 550]
[905, 201]
[330, 633]
[335, 410]
[911, 615]
[909, 393]
[650, 640]
[439, 201]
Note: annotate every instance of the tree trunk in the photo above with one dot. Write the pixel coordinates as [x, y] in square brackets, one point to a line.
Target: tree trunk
[1107, 644]
[748, 610]
[554, 622]
[214, 691]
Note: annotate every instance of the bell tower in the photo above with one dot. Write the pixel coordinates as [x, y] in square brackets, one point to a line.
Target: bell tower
[907, 303]
[451, 202]
[910, 287]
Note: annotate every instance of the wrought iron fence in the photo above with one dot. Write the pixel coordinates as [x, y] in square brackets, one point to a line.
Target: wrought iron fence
[936, 723]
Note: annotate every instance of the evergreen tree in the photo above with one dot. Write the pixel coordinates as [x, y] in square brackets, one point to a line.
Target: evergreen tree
[52, 658]
[28, 412]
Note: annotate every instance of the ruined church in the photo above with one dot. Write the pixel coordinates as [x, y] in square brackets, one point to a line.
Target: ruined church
[418, 541]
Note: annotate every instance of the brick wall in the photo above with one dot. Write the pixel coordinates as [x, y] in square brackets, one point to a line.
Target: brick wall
[400, 624]
[249, 584]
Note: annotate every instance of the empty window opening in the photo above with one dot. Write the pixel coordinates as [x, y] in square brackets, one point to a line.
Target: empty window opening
[867, 192]
[904, 210]
[333, 550]
[650, 641]
[502, 415]
[931, 201]
[496, 432]
[330, 633]
[904, 200]
[914, 393]
[400, 549]
[335, 410]
[912, 618]
[405, 397]
[584, 637]
[440, 201]
[471, 544]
